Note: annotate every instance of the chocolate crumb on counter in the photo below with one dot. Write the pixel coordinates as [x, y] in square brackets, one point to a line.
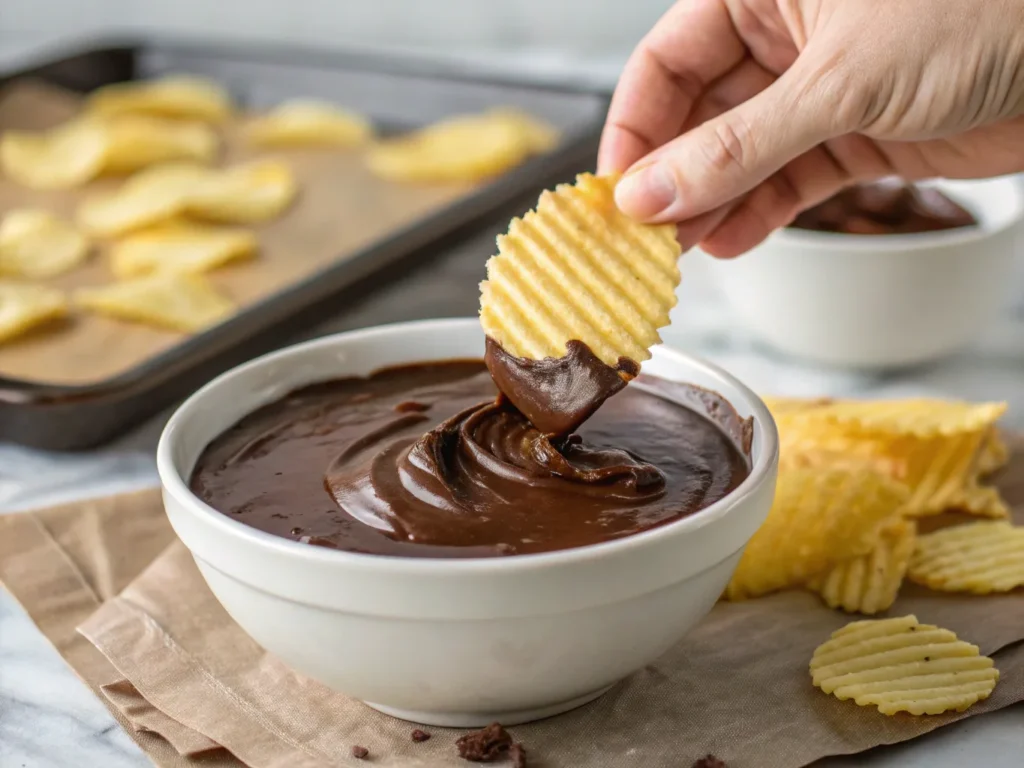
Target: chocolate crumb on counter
[517, 753]
[710, 761]
[360, 753]
[420, 736]
[411, 406]
[485, 745]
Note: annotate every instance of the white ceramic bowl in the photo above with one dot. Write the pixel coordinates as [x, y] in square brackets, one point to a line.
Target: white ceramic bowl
[456, 642]
[880, 301]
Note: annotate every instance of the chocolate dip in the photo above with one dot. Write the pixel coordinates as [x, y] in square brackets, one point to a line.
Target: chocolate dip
[557, 394]
[427, 461]
[888, 207]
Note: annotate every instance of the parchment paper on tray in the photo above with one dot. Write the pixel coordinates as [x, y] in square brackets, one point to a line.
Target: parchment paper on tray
[174, 663]
[341, 208]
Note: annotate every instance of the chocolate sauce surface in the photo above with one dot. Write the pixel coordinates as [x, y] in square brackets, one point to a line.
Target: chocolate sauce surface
[427, 461]
[557, 394]
[889, 207]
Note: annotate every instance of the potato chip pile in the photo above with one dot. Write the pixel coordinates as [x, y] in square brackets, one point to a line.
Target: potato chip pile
[177, 214]
[855, 477]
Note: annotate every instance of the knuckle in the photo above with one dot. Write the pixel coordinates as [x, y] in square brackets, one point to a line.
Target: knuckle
[727, 146]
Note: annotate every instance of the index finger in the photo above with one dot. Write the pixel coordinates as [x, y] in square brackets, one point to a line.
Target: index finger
[693, 44]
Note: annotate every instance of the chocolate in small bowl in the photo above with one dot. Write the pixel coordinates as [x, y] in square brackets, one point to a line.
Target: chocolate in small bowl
[426, 460]
[887, 207]
[422, 638]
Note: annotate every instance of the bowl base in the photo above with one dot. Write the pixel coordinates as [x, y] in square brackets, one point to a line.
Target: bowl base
[480, 719]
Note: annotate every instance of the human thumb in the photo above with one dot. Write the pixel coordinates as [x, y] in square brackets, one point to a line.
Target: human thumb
[729, 155]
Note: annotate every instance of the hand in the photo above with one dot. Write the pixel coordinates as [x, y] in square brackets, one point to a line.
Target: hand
[732, 116]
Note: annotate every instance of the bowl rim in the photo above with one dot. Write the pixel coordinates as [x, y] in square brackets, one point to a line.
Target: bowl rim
[841, 243]
[762, 470]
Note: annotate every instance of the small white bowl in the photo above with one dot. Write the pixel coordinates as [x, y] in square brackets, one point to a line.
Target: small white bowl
[880, 301]
[457, 642]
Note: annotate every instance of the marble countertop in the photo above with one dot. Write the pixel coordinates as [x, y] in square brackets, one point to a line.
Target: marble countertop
[48, 719]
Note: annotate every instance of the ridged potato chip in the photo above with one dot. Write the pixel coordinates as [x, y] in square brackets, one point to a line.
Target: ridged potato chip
[981, 501]
[36, 244]
[179, 247]
[244, 194]
[462, 148]
[308, 123]
[539, 136]
[869, 583]
[820, 517]
[61, 158]
[978, 557]
[178, 302]
[150, 196]
[937, 470]
[24, 306]
[137, 141]
[899, 665]
[994, 453]
[922, 418]
[577, 268]
[176, 96]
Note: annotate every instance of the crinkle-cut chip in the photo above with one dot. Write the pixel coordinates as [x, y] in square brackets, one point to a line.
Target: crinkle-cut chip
[462, 148]
[148, 197]
[936, 470]
[994, 453]
[179, 302]
[922, 418]
[247, 193]
[981, 501]
[578, 268]
[308, 123]
[180, 247]
[539, 136]
[869, 583]
[176, 96]
[24, 306]
[981, 558]
[819, 518]
[899, 665]
[36, 244]
[137, 141]
[61, 158]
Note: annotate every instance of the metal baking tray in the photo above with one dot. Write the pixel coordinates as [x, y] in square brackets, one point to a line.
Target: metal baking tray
[398, 93]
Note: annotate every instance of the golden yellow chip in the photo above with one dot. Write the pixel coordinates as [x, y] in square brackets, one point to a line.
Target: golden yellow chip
[63, 157]
[137, 141]
[937, 470]
[463, 148]
[994, 453]
[978, 557]
[783, 406]
[178, 302]
[150, 196]
[179, 247]
[899, 665]
[869, 583]
[36, 244]
[539, 136]
[175, 96]
[578, 268]
[247, 193]
[982, 501]
[24, 306]
[309, 123]
[820, 517]
[922, 418]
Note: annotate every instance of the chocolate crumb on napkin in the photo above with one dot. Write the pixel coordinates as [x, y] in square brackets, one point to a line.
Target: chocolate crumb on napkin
[173, 663]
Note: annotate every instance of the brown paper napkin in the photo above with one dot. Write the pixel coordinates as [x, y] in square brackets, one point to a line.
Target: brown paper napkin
[737, 686]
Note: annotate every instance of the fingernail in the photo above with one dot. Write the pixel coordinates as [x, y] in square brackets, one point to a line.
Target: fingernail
[645, 193]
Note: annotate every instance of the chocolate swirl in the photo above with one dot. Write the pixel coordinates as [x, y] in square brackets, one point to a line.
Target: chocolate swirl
[427, 461]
